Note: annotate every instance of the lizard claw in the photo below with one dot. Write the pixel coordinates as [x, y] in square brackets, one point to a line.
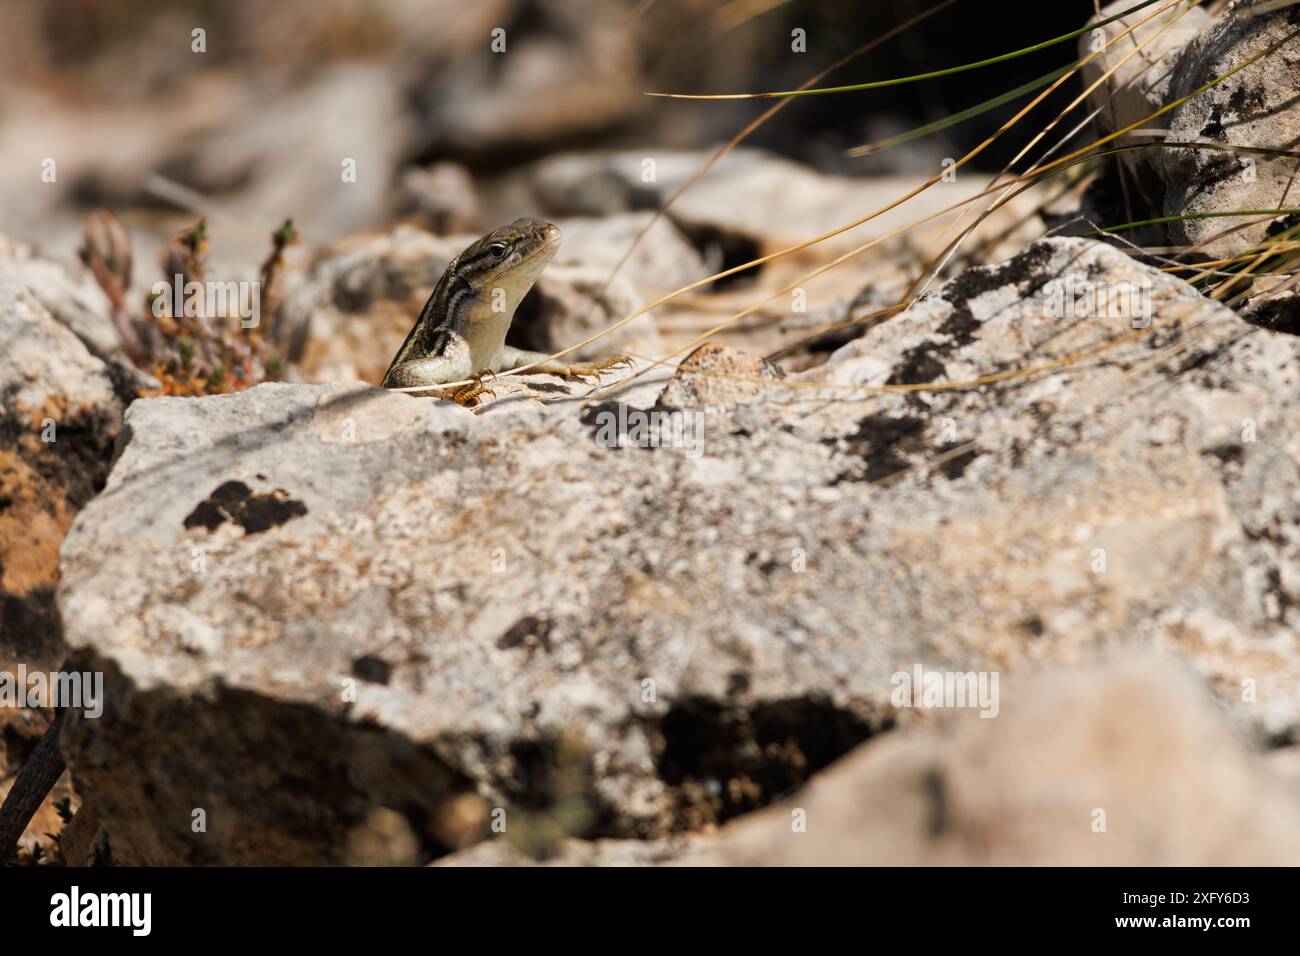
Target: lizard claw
[468, 395]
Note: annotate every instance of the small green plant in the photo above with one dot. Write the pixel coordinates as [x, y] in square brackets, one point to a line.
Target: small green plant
[192, 341]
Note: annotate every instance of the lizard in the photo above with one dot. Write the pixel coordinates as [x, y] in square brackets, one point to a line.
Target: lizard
[460, 334]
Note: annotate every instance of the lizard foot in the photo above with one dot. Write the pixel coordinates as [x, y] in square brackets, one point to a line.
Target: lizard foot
[468, 395]
[592, 370]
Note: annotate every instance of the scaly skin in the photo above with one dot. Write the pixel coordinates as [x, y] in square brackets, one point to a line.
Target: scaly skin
[461, 332]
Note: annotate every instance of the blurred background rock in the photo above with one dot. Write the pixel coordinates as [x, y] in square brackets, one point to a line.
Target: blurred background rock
[256, 128]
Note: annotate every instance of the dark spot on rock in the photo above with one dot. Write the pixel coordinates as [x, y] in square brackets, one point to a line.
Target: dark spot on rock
[724, 760]
[923, 364]
[1286, 601]
[917, 367]
[597, 418]
[974, 282]
[961, 326]
[549, 387]
[1202, 360]
[372, 669]
[1213, 128]
[880, 442]
[737, 683]
[1219, 167]
[77, 462]
[531, 632]
[253, 511]
[1229, 453]
[590, 415]
[1279, 739]
[1247, 99]
[1285, 224]
[763, 560]
[1033, 625]
[954, 467]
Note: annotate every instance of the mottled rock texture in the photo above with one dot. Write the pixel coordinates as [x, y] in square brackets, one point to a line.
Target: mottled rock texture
[1254, 107]
[60, 409]
[1121, 763]
[1140, 52]
[315, 603]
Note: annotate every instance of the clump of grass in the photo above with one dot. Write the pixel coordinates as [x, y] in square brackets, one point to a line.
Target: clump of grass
[174, 338]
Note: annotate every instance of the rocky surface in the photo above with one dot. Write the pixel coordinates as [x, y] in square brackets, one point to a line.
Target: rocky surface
[1255, 107]
[60, 410]
[1140, 52]
[67, 293]
[1123, 763]
[442, 614]
[1129, 764]
[721, 213]
[659, 620]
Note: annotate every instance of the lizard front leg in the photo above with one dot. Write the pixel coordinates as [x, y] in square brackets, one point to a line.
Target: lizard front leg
[511, 358]
[452, 364]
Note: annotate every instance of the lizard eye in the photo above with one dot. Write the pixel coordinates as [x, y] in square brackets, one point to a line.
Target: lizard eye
[498, 249]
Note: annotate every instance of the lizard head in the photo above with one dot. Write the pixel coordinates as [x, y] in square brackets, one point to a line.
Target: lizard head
[510, 258]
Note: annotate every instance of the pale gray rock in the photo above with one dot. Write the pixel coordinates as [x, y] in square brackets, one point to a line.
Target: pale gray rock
[573, 303]
[67, 292]
[673, 851]
[1255, 107]
[315, 601]
[1143, 51]
[572, 73]
[662, 261]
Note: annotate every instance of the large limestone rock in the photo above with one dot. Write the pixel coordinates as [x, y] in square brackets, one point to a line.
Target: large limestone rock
[320, 606]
